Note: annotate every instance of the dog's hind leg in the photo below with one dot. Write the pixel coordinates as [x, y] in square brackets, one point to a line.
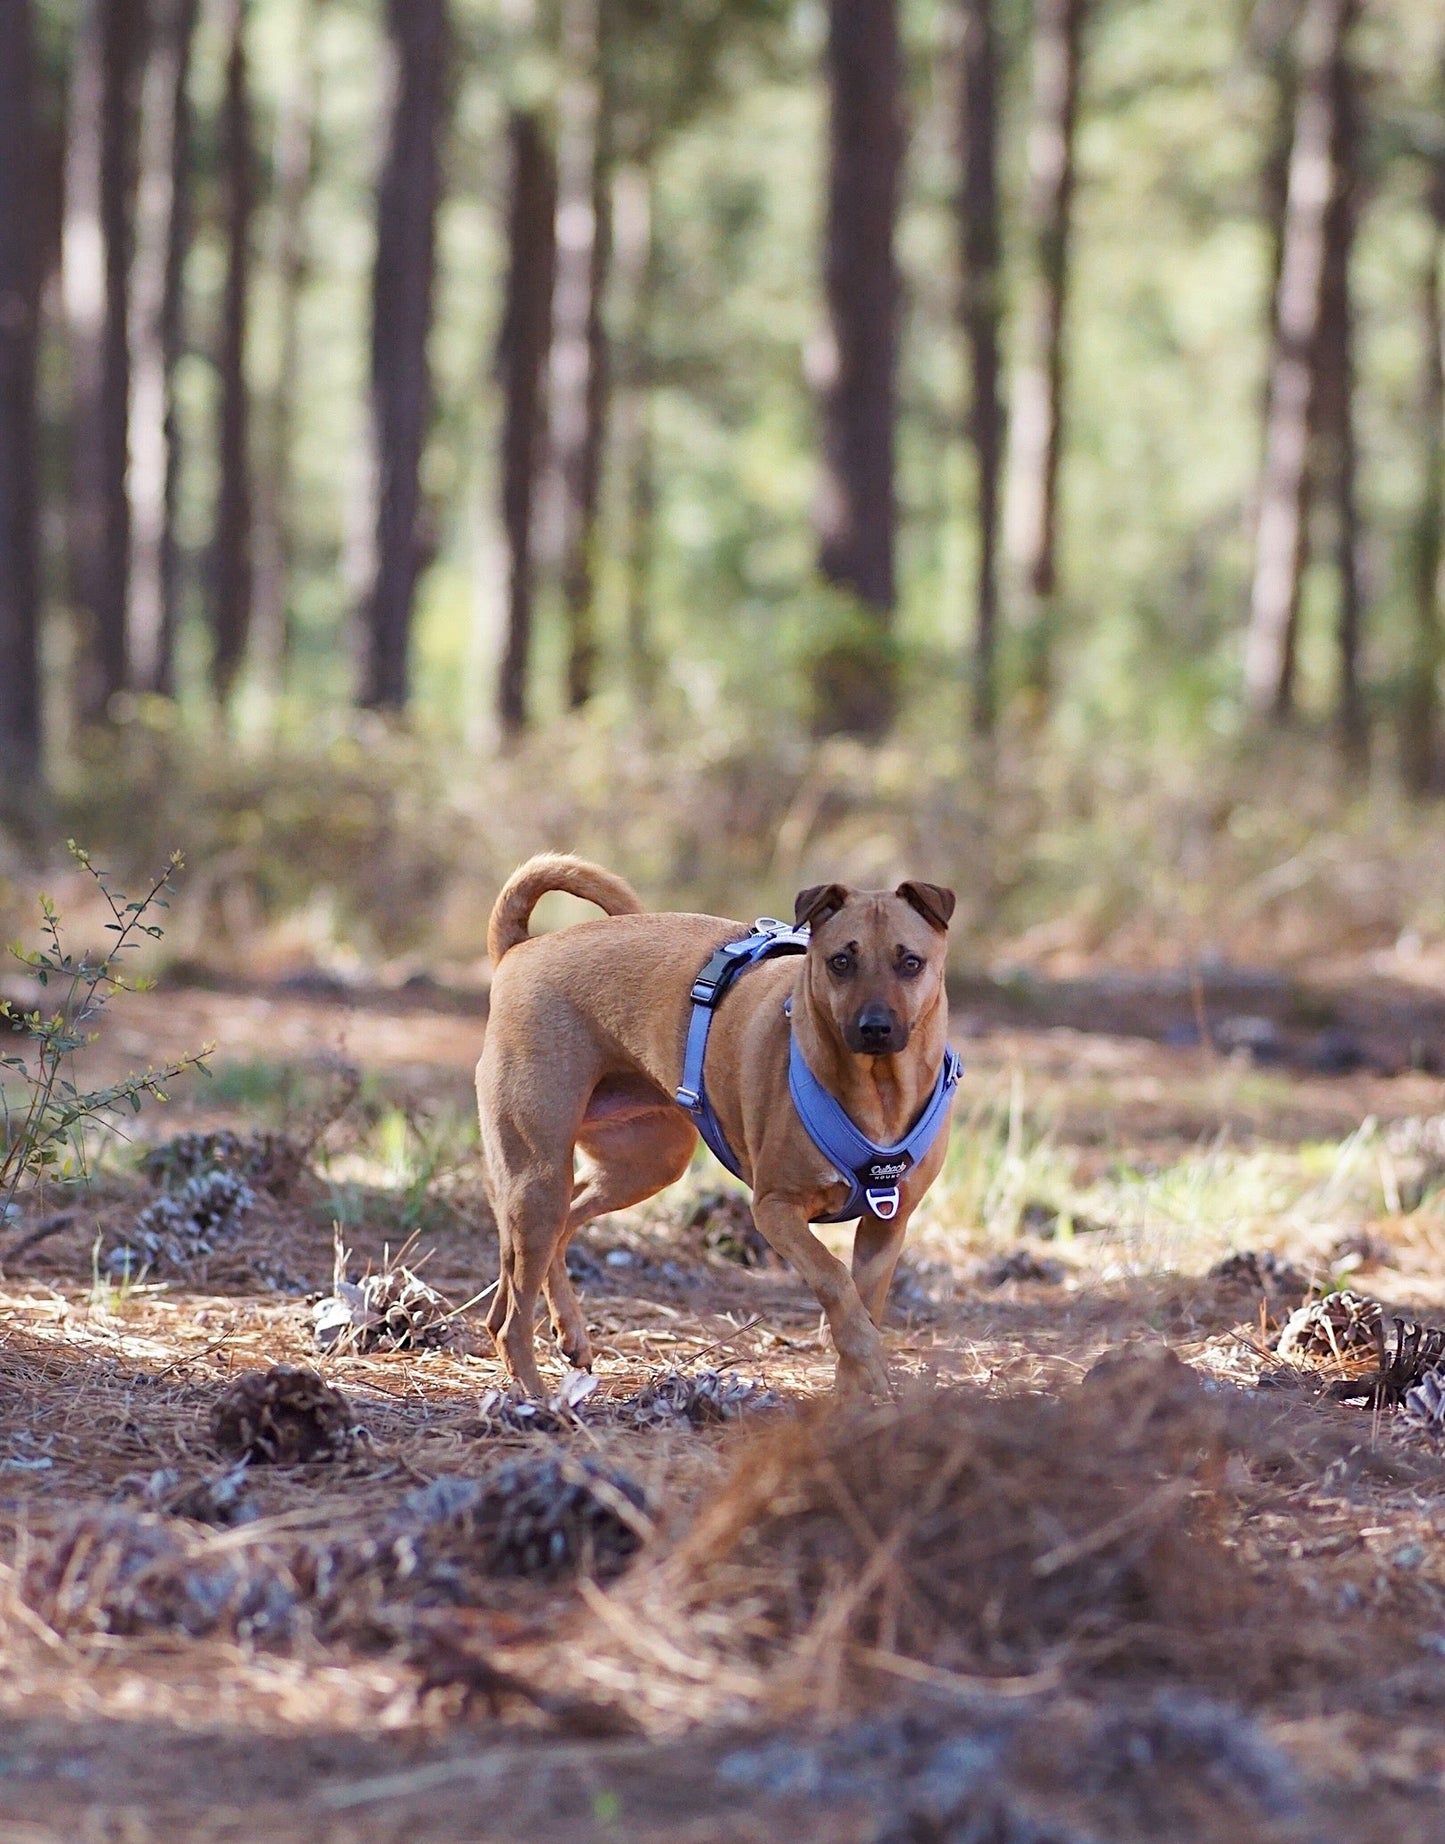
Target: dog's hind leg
[528, 1131]
[531, 1213]
[627, 1155]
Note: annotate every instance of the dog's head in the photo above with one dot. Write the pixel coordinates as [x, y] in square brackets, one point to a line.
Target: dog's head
[876, 959]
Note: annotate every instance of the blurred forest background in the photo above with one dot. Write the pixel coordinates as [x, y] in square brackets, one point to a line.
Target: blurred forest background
[1002, 439]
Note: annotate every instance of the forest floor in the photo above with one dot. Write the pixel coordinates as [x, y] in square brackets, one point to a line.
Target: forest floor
[302, 1655]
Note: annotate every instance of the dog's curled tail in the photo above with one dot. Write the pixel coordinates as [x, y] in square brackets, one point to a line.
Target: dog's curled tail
[531, 881]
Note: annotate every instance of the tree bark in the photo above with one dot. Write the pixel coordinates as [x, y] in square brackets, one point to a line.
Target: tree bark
[100, 188]
[21, 256]
[231, 562]
[408, 195]
[1420, 752]
[521, 363]
[640, 272]
[855, 683]
[294, 161]
[1039, 393]
[580, 358]
[982, 314]
[1282, 535]
[162, 240]
[1336, 361]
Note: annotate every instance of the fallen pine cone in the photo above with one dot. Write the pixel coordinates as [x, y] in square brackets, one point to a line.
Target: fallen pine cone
[542, 1516]
[1259, 1269]
[1425, 1404]
[392, 1309]
[1342, 1327]
[284, 1416]
[706, 1399]
[1023, 1265]
[272, 1160]
[1418, 1350]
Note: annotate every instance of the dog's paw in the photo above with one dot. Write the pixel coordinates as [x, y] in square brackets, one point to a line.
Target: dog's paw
[863, 1379]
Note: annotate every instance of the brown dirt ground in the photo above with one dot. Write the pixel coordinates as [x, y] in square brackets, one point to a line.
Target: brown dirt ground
[157, 1736]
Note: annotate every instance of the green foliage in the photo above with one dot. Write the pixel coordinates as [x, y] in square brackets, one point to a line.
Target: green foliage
[43, 1131]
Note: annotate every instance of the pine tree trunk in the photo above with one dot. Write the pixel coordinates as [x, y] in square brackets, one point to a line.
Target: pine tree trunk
[1420, 740]
[293, 164]
[1337, 407]
[982, 313]
[100, 189]
[1039, 394]
[639, 266]
[579, 361]
[231, 567]
[20, 270]
[855, 688]
[408, 195]
[162, 239]
[521, 362]
[1282, 535]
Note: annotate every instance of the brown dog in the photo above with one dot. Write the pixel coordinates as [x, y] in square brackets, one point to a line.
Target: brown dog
[584, 1051]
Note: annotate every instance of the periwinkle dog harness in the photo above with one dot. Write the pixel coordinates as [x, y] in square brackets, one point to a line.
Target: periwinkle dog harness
[871, 1172]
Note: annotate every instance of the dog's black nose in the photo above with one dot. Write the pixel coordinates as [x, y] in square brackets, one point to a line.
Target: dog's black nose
[876, 1027]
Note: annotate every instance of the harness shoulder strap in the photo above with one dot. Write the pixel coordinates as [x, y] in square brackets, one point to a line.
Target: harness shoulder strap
[767, 938]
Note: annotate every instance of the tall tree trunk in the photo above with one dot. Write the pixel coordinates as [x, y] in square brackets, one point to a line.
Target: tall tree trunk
[1282, 535]
[855, 689]
[521, 362]
[982, 313]
[231, 564]
[100, 189]
[1336, 363]
[162, 239]
[579, 362]
[20, 272]
[1420, 717]
[408, 195]
[1039, 393]
[639, 250]
[294, 161]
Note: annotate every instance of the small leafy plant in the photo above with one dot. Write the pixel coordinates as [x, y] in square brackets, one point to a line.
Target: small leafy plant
[42, 1135]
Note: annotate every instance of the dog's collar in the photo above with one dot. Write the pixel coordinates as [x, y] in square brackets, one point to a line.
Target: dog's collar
[871, 1172]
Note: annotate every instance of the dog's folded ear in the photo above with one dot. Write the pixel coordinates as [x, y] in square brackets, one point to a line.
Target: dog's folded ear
[813, 906]
[932, 901]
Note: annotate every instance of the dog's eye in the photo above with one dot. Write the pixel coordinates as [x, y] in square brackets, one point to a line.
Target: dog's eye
[840, 963]
[910, 965]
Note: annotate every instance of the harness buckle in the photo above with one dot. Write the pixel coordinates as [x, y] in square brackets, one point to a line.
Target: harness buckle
[688, 1098]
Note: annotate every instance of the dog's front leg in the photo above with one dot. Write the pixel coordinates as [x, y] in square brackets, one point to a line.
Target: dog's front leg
[876, 1248]
[861, 1363]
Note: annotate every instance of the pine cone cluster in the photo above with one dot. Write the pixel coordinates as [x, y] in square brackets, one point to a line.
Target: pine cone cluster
[1342, 1326]
[284, 1416]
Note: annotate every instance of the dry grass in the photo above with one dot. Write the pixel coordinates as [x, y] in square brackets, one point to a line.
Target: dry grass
[373, 849]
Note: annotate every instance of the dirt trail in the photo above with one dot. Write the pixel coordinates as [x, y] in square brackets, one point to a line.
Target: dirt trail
[1121, 1167]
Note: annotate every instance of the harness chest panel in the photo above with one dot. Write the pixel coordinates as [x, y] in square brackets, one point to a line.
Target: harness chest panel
[873, 1173]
